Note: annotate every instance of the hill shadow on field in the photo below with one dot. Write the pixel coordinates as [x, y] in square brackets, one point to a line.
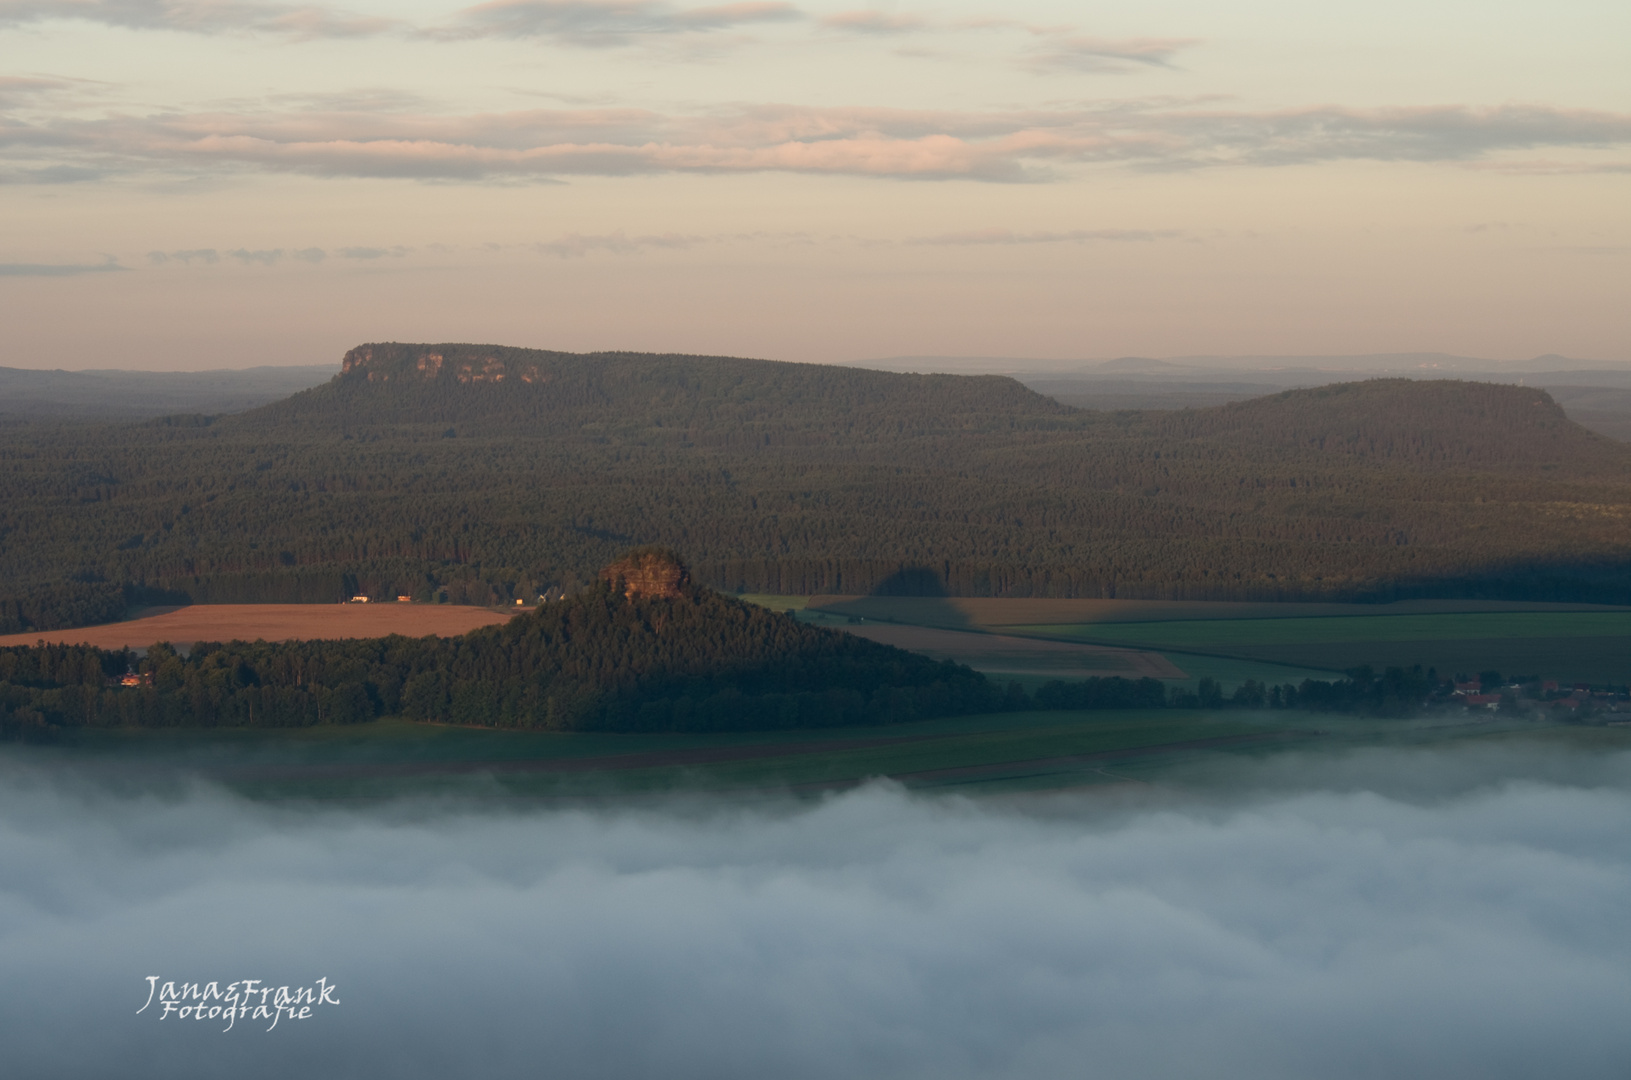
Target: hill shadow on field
[913, 594]
[915, 581]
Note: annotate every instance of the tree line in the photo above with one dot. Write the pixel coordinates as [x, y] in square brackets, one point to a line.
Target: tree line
[599, 661]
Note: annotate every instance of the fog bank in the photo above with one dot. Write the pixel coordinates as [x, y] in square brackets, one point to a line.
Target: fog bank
[1337, 918]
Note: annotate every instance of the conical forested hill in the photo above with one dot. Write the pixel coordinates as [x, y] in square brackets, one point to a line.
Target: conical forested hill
[692, 661]
[620, 656]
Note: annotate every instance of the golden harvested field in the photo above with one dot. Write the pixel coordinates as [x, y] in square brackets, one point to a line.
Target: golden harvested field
[272, 622]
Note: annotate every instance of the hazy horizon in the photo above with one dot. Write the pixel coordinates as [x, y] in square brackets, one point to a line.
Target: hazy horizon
[218, 185]
[953, 364]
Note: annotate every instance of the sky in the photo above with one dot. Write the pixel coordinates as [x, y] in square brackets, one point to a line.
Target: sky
[1460, 915]
[189, 185]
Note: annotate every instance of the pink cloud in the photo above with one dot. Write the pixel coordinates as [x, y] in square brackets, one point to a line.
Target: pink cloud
[874, 22]
[896, 143]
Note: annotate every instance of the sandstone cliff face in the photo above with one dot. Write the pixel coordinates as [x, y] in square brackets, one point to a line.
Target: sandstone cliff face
[466, 364]
[649, 573]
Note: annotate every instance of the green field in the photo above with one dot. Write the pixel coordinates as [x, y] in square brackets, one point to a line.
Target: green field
[990, 753]
[396, 757]
[775, 602]
[1230, 671]
[1578, 646]
[1204, 633]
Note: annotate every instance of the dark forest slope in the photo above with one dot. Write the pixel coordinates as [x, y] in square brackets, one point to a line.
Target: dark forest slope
[690, 660]
[445, 482]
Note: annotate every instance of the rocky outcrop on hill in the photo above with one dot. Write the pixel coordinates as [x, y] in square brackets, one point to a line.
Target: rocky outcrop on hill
[470, 364]
[649, 572]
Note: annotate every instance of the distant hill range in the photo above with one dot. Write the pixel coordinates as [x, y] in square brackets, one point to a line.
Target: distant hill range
[483, 474]
[139, 394]
[1425, 425]
[1423, 365]
[1596, 394]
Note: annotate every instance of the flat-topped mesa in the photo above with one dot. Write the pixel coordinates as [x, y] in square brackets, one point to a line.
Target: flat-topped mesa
[683, 384]
[649, 572]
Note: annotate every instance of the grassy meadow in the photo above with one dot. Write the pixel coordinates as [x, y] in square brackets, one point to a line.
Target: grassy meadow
[998, 752]
[1570, 646]
[1347, 629]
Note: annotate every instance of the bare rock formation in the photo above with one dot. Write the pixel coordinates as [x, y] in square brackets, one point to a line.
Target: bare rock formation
[654, 572]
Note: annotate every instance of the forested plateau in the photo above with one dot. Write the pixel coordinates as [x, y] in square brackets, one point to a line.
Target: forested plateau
[484, 474]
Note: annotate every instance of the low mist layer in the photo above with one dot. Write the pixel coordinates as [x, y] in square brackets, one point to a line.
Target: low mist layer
[1386, 914]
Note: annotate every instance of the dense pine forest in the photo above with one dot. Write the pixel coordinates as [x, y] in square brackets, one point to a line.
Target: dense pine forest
[481, 474]
[604, 660]
[599, 661]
